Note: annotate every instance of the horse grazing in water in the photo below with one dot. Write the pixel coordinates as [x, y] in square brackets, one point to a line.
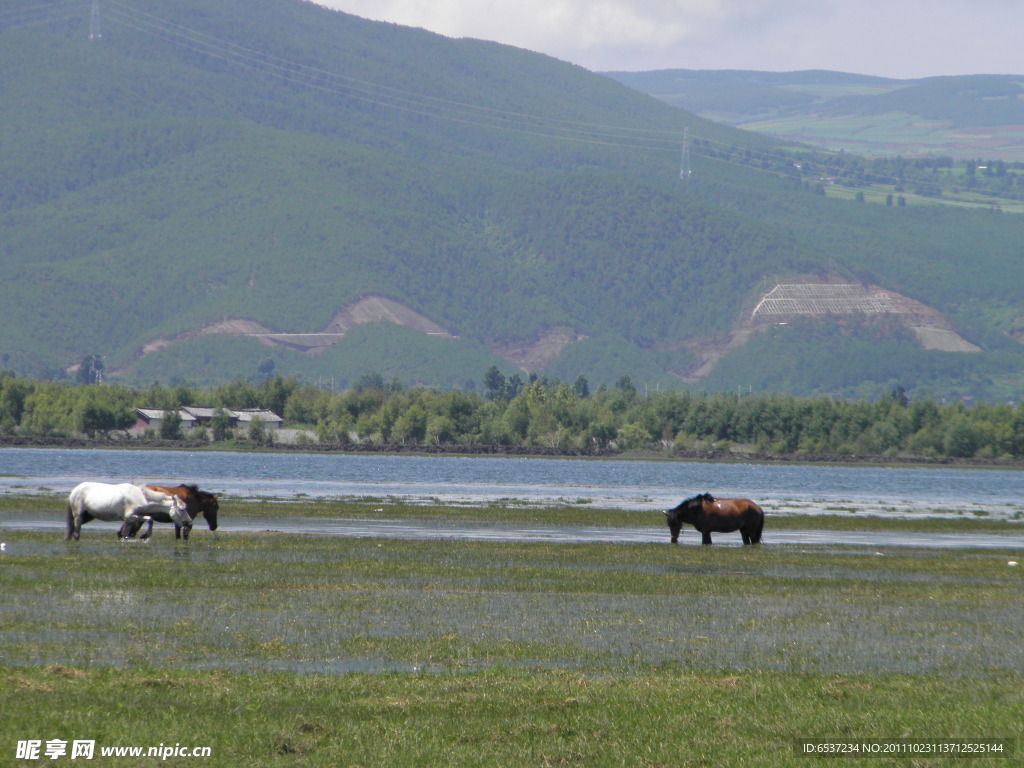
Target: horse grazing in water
[124, 502]
[196, 503]
[708, 514]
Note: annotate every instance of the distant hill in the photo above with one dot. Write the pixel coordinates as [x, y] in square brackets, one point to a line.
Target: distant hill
[970, 116]
[211, 189]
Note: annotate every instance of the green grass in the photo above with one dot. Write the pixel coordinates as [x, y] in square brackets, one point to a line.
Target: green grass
[499, 717]
[512, 511]
[278, 650]
[894, 133]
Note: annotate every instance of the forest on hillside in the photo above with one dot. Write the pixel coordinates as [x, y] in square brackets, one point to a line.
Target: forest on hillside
[537, 414]
[275, 162]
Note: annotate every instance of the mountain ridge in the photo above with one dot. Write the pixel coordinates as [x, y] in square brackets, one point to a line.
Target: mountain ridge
[964, 116]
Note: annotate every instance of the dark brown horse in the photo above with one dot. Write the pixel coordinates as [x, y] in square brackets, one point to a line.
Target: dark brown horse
[708, 514]
[197, 503]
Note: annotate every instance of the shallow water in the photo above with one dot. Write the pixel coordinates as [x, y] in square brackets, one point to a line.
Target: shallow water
[421, 530]
[645, 487]
[632, 485]
[366, 605]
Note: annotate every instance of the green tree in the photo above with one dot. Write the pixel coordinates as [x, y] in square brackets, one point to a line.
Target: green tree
[440, 430]
[50, 409]
[495, 385]
[411, 426]
[170, 425]
[370, 381]
[236, 394]
[275, 392]
[961, 439]
[95, 417]
[631, 436]
[599, 435]
[12, 401]
[258, 432]
[220, 424]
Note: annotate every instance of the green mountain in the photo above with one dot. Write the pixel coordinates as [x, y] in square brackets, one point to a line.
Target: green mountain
[967, 116]
[208, 189]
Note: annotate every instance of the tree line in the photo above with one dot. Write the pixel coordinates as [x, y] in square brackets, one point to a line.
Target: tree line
[513, 413]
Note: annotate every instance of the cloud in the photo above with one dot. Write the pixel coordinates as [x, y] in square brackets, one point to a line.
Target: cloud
[900, 38]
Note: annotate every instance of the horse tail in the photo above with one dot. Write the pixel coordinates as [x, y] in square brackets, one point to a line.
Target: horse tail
[71, 515]
[755, 534]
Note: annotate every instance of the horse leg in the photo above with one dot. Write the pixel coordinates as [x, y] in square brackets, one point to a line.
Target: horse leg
[705, 538]
[177, 531]
[80, 518]
[131, 526]
[755, 535]
[75, 517]
[745, 535]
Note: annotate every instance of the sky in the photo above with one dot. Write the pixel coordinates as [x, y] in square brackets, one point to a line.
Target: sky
[889, 38]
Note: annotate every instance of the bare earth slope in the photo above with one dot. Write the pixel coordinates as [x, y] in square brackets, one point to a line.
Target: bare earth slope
[785, 301]
[814, 298]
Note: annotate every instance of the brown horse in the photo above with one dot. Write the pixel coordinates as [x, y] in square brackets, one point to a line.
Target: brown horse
[708, 514]
[197, 503]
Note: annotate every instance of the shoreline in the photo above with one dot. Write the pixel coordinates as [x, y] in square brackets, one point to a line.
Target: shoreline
[731, 457]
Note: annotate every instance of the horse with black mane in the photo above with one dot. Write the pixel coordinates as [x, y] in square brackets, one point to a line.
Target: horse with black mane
[196, 503]
[710, 515]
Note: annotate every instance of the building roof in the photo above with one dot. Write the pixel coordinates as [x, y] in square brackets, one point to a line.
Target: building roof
[197, 413]
[251, 414]
[156, 414]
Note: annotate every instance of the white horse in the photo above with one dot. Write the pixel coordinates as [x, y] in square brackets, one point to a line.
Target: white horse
[125, 502]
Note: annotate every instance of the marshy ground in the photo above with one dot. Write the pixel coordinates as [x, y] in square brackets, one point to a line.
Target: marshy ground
[387, 651]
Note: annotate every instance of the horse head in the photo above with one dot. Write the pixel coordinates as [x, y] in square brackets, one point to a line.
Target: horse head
[209, 506]
[179, 514]
[684, 512]
[202, 503]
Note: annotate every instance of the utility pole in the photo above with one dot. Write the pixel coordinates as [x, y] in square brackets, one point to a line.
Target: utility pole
[684, 160]
[94, 22]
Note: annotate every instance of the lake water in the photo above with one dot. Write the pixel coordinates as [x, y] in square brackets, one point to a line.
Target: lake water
[642, 486]
[639, 485]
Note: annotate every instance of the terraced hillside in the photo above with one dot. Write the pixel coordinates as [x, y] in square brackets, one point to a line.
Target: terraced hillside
[787, 301]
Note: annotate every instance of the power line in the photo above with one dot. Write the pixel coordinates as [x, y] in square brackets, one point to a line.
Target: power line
[441, 108]
[777, 163]
[381, 95]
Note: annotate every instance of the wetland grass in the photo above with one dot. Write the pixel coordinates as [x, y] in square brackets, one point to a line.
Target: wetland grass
[278, 650]
[498, 717]
[819, 516]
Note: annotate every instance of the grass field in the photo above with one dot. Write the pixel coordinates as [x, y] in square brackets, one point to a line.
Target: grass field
[275, 650]
[896, 133]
